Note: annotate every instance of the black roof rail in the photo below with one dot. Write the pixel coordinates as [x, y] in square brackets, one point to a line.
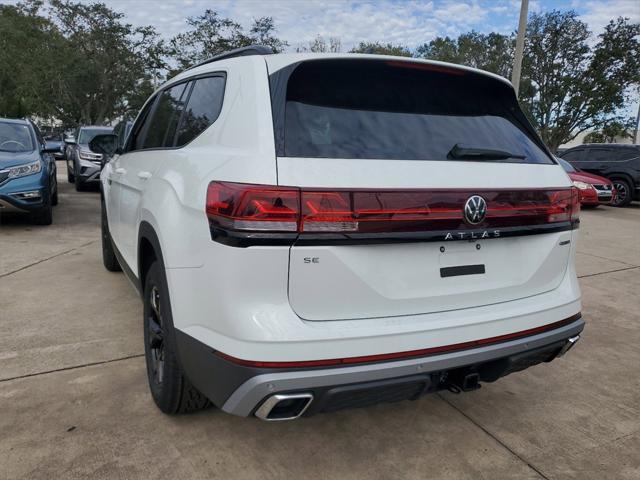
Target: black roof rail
[238, 52]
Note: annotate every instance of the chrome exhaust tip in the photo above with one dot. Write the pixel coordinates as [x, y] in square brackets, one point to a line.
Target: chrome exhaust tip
[569, 345]
[284, 406]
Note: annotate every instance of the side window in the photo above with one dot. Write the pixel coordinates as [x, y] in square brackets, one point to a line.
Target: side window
[162, 125]
[38, 135]
[136, 137]
[121, 132]
[599, 155]
[203, 108]
[627, 154]
[572, 155]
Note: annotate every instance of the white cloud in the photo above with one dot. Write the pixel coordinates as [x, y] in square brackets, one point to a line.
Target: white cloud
[461, 12]
[598, 14]
[407, 22]
[410, 22]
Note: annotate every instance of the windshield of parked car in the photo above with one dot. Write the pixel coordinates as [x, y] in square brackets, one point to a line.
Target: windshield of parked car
[15, 137]
[364, 109]
[566, 165]
[87, 135]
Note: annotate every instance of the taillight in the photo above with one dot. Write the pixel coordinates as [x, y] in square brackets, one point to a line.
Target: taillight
[263, 211]
[244, 207]
[564, 205]
[575, 205]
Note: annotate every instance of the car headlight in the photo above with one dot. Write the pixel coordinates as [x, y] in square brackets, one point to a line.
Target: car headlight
[24, 170]
[582, 185]
[88, 155]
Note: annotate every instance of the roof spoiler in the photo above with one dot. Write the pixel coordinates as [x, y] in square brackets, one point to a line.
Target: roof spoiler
[237, 52]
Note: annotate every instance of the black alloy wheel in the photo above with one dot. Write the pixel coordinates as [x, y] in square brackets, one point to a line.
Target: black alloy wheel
[155, 337]
[623, 189]
[172, 392]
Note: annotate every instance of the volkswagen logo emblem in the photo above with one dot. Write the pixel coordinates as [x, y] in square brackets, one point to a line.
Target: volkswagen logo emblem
[475, 209]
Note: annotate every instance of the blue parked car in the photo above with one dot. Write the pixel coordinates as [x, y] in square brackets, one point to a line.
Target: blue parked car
[27, 171]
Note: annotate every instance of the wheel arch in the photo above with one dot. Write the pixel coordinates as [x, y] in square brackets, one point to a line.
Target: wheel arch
[149, 250]
[621, 175]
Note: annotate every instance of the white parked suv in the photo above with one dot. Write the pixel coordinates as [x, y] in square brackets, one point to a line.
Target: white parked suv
[311, 232]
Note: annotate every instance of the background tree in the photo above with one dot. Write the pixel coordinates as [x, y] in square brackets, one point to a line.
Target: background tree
[209, 34]
[572, 84]
[492, 52]
[320, 45]
[81, 62]
[378, 48]
[105, 62]
[30, 46]
[612, 131]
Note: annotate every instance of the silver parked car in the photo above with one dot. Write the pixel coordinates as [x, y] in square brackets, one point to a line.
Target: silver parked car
[83, 165]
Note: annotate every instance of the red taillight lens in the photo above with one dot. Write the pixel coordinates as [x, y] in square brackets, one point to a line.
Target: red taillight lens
[263, 208]
[238, 206]
[379, 211]
[575, 204]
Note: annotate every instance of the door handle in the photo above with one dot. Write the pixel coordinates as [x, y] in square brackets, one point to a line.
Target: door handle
[144, 175]
[120, 171]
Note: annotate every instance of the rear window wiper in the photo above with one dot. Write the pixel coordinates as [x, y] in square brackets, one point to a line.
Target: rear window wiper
[461, 152]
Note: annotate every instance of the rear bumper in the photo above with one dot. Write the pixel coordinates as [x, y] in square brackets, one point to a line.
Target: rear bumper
[242, 390]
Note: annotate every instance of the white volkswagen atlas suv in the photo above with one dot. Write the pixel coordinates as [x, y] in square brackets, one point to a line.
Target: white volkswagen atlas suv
[311, 232]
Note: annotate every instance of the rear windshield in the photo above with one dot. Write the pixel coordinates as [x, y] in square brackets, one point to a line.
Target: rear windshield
[87, 135]
[566, 165]
[15, 137]
[397, 110]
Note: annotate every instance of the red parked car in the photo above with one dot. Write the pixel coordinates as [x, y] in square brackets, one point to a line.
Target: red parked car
[594, 189]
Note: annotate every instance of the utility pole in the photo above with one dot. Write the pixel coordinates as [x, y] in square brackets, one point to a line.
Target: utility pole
[635, 133]
[517, 61]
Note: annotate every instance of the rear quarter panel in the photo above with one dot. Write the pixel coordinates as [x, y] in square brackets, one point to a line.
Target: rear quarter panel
[238, 147]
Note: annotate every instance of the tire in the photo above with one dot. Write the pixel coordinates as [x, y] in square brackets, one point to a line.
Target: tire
[109, 259]
[54, 197]
[79, 185]
[44, 216]
[171, 390]
[625, 192]
[71, 178]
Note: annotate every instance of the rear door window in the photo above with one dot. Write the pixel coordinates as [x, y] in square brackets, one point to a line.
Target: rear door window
[136, 139]
[599, 155]
[625, 154]
[572, 155]
[363, 109]
[203, 107]
[162, 126]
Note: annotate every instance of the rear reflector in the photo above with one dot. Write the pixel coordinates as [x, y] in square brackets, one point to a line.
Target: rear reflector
[402, 355]
[263, 208]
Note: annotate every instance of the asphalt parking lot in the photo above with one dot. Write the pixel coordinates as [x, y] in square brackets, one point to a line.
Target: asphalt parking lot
[74, 401]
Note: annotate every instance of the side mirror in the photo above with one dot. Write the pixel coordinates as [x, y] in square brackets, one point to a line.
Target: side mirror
[48, 148]
[107, 145]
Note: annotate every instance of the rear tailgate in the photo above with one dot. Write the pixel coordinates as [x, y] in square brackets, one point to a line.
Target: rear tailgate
[363, 279]
[384, 230]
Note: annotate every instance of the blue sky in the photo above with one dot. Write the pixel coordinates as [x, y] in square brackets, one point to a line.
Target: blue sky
[409, 22]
